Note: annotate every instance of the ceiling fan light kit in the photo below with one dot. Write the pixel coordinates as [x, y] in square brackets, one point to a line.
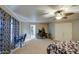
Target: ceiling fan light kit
[59, 15]
[58, 18]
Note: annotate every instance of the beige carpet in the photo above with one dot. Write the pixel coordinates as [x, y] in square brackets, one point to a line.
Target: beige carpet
[35, 46]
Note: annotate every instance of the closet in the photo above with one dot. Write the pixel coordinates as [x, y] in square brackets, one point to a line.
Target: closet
[63, 31]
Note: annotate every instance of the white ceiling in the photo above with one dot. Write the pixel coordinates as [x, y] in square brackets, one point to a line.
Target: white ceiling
[33, 13]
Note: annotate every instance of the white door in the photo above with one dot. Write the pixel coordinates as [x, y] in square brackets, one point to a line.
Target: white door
[63, 31]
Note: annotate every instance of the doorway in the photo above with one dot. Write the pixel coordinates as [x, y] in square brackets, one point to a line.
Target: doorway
[33, 31]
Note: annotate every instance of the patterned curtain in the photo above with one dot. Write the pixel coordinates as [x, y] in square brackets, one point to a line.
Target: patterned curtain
[4, 32]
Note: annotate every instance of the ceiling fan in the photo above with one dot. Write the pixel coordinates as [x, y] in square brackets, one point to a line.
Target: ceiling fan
[58, 14]
[62, 14]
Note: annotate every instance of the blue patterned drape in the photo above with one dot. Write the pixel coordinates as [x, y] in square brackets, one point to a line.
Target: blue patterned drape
[5, 31]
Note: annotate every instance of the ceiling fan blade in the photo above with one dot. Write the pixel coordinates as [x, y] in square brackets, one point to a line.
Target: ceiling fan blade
[65, 17]
[68, 14]
[42, 13]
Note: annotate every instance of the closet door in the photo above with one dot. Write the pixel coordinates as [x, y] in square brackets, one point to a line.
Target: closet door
[67, 31]
[58, 31]
[63, 31]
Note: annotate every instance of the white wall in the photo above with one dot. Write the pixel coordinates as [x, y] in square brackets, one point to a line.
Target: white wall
[51, 29]
[25, 28]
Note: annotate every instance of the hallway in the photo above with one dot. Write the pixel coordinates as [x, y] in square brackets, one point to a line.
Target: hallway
[36, 46]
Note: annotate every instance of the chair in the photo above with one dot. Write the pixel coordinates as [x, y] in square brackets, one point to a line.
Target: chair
[22, 40]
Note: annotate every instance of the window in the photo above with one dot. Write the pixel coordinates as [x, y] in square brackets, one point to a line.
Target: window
[11, 30]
